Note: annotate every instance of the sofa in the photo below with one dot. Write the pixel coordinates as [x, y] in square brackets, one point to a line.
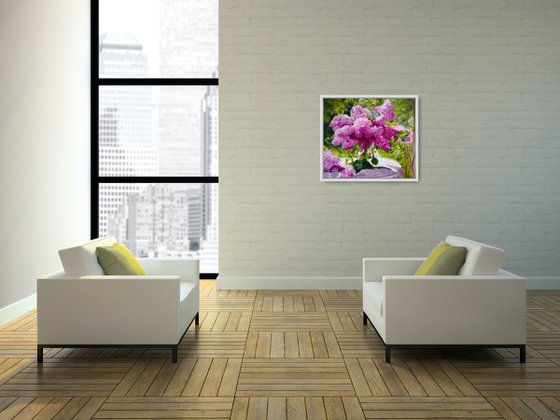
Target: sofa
[482, 306]
[80, 306]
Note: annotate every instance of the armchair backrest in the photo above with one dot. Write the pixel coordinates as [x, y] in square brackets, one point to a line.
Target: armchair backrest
[481, 259]
[81, 260]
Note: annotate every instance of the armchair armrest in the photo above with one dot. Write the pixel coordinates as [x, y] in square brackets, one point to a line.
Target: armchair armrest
[483, 309]
[108, 310]
[375, 268]
[186, 268]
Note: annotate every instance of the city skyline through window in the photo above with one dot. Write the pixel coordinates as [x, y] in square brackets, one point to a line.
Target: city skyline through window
[157, 128]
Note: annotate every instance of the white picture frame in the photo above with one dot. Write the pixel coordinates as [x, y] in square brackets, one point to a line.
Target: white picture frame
[363, 154]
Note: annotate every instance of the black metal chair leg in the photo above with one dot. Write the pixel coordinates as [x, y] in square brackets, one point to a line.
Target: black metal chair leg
[522, 354]
[174, 353]
[39, 354]
[365, 319]
[387, 354]
[196, 319]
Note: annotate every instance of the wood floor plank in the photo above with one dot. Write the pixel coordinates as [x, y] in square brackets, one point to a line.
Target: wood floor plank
[373, 377]
[552, 403]
[276, 408]
[16, 407]
[258, 408]
[195, 383]
[315, 408]
[334, 408]
[358, 379]
[140, 387]
[162, 380]
[353, 408]
[539, 408]
[503, 409]
[240, 408]
[295, 408]
[228, 385]
[89, 409]
[180, 378]
[72, 408]
[520, 408]
[214, 378]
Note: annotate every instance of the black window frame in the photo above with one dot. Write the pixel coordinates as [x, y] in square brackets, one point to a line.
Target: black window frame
[96, 83]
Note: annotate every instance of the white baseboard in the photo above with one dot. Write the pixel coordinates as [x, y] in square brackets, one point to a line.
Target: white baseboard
[542, 283]
[279, 283]
[19, 308]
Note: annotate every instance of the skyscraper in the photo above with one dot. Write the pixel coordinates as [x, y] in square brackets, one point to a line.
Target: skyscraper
[127, 146]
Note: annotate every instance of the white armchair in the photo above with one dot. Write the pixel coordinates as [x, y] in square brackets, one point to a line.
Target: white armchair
[483, 306]
[82, 307]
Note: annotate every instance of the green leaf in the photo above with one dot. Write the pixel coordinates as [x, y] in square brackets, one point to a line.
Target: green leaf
[361, 164]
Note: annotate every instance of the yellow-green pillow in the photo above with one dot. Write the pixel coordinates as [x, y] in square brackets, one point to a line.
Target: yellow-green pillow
[443, 260]
[138, 269]
[113, 261]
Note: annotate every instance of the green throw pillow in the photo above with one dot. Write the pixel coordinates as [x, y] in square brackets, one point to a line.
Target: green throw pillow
[444, 260]
[129, 256]
[113, 262]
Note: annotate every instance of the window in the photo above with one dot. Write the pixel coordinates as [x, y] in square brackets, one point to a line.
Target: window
[155, 127]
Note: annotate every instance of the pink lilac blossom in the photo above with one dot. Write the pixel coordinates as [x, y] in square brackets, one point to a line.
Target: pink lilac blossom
[383, 143]
[361, 125]
[330, 162]
[391, 132]
[360, 112]
[410, 137]
[347, 172]
[340, 121]
[386, 112]
[345, 136]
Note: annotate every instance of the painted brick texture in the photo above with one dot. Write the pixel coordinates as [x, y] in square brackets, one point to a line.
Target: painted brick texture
[488, 76]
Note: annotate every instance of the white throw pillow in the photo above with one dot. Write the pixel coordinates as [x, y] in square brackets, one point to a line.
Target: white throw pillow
[81, 260]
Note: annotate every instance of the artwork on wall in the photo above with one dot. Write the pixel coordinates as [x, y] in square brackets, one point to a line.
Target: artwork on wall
[369, 138]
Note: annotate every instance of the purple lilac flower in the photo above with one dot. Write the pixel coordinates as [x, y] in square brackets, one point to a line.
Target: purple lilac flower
[345, 136]
[360, 112]
[347, 172]
[361, 125]
[410, 137]
[391, 131]
[340, 121]
[383, 143]
[330, 162]
[386, 112]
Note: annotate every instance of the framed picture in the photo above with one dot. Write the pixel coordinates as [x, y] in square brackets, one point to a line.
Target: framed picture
[369, 138]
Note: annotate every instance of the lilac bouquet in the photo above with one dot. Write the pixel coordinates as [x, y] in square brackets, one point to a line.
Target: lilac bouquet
[372, 131]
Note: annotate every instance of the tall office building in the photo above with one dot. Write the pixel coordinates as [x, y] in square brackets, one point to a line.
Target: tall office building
[188, 47]
[188, 38]
[161, 220]
[209, 159]
[127, 146]
[189, 115]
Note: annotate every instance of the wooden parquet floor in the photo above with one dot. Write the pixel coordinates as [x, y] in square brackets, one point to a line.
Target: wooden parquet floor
[283, 355]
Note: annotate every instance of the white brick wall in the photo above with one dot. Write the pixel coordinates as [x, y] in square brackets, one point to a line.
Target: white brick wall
[488, 76]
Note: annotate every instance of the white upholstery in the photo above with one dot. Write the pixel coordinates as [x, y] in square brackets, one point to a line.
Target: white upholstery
[94, 309]
[481, 258]
[81, 260]
[480, 309]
